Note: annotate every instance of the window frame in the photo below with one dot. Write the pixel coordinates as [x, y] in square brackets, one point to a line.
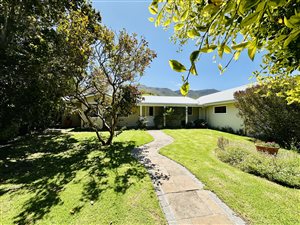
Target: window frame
[223, 106]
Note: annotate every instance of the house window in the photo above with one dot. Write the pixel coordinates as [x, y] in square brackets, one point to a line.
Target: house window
[220, 109]
[151, 111]
[190, 111]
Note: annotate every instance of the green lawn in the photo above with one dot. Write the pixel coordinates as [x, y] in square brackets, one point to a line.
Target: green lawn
[257, 200]
[68, 178]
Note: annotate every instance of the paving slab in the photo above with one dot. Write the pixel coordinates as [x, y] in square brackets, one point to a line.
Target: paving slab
[181, 194]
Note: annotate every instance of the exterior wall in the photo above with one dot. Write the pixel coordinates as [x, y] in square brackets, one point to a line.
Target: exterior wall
[217, 120]
[130, 120]
[228, 119]
[195, 114]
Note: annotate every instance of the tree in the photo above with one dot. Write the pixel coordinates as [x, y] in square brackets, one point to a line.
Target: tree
[34, 72]
[230, 26]
[269, 117]
[118, 62]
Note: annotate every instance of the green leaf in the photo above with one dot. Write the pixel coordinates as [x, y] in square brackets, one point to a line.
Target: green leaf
[209, 49]
[209, 10]
[252, 50]
[276, 3]
[178, 26]
[246, 5]
[292, 37]
[221, 50]
[193, 33]
[153, 9]
[227, 49]
[287, 23]
[241, 46]
[194, 55]
[184, 90]
[167, 22]
[250, 19]
[220, 67]
[295, 20]
[177, 66]
[194, 69]
[175, 19]
[237, 55]
[201, 28]
[151, 19]
[185, 15]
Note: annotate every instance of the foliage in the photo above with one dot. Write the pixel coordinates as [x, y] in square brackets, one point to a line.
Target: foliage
[267, 144]
[69, 178]
[142, 123]
[34, 72]
[229, 27]
[159, 121]
[259, 200]
[108, 89]
[283, 169]
[284, 86]
[200, 123]
[269, 117]
[222, 143]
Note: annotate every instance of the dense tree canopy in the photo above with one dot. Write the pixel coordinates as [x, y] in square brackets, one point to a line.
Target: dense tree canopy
[35, 69]
[230, 26]
[269, 117]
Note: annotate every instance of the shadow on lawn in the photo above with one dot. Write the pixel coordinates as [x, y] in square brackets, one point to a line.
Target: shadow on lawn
[43, 165]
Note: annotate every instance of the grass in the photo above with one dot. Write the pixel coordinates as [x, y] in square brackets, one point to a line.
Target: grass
[256, 199]
[68, 178]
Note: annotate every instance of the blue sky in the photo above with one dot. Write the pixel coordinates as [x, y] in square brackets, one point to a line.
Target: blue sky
[133, 16]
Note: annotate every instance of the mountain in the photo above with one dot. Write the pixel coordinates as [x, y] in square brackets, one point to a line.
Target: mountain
[199, 93]
[168, 92]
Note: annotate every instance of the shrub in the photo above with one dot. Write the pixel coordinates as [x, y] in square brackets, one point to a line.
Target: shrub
[9, 132]
[200, 123]
[189, 125]
[159, 121]
[268, 117]
[267, 144]
[142, 123]
[283, 169]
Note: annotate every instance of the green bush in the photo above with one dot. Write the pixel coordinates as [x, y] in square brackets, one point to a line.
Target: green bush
[9, 132]
[142, 123]
[283, 168]
[269, 117]
[159, 121]
[200, 123]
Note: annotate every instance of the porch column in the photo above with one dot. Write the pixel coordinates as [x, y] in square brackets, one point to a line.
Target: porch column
[141, 111]
[186, 115]
[164, 116]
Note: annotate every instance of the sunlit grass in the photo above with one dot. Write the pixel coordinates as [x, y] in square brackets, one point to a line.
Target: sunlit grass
[256, 199]
[68, 178]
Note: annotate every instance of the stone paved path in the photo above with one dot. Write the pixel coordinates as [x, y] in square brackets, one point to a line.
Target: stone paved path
[181, 195]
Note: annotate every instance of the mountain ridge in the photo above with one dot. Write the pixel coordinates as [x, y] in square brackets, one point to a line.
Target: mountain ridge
[168, 92]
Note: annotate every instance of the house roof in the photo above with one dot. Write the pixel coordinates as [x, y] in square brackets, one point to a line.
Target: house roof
[222, 96]
[168, 100]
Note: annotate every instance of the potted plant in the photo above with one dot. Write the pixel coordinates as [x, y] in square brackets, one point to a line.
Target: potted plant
[267, 147]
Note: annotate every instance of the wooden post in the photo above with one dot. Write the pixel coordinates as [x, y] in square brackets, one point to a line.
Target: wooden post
[141, 111]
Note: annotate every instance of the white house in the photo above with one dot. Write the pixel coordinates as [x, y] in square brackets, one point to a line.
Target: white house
[217, 109]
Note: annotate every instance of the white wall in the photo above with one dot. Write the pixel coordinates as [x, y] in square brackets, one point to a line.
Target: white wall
[228, 119]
